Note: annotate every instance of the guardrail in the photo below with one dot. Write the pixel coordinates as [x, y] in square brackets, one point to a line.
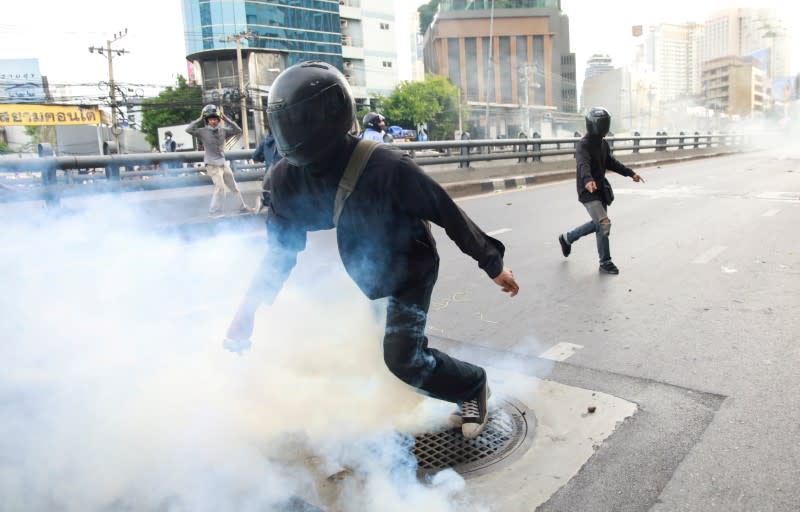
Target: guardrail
[50, 178]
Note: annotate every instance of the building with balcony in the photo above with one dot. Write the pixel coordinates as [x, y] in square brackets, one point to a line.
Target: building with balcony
[511, 62]
[356, 36]
[735, 86]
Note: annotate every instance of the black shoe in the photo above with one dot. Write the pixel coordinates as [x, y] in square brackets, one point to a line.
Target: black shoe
[475, 414]
[565, 247]
[609, 268]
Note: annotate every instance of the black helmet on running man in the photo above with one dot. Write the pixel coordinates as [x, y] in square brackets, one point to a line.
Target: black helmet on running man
[598, 121]
[310, 110]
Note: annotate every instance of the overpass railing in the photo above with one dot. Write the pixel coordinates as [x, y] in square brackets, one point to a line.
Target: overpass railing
[50, 178]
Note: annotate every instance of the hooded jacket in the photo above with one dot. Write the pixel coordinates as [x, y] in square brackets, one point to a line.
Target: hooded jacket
[383, 236]
[593, 157]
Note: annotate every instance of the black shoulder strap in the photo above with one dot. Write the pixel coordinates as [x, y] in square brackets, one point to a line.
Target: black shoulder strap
[358, 160]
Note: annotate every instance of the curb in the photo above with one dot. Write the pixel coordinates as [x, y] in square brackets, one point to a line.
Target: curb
[485, 185]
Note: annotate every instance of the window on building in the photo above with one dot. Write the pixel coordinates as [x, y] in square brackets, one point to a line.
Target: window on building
[384, 26]
[387, 63]
[453, 61]
[505, 70]
[471, 64]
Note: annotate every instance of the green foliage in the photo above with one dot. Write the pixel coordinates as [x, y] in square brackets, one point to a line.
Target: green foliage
[433, 101]
[426, 14]
[39, 134]
[4, 149]
[175, 105]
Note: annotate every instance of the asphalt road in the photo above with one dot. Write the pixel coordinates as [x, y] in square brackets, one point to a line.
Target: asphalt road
[699, 328]
[706, 301]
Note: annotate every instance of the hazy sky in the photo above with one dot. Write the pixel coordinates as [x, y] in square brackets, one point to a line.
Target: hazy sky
[60, 39]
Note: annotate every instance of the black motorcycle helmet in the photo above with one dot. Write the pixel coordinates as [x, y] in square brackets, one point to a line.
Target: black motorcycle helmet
[598, 121]
[375, 121]
[310, 110]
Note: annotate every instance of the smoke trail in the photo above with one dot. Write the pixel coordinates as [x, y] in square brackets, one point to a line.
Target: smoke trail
[115, 393]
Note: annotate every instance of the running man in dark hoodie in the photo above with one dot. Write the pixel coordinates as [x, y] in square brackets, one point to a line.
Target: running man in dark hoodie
[593, 157]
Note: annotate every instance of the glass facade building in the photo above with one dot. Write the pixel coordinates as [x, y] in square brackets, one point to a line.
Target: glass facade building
[299, 30]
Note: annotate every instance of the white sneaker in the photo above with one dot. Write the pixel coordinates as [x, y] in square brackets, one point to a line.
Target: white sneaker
[475, 414]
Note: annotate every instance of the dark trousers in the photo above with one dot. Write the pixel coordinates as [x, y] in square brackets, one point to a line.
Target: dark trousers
[407, 355]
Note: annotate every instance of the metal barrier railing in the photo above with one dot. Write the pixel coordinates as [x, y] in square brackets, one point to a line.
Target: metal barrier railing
[51, 177]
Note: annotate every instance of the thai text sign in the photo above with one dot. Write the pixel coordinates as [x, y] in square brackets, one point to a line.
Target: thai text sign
[51, 115]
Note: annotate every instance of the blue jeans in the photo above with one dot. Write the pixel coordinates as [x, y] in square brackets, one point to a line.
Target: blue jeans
[601, 230]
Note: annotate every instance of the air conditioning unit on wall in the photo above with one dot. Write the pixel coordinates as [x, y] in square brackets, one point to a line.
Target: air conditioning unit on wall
[343, 23]
[348, 64]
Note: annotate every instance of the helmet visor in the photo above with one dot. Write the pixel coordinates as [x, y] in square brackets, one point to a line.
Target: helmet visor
[296, 127]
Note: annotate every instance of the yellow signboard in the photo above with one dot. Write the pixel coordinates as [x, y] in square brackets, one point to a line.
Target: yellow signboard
[14, 114]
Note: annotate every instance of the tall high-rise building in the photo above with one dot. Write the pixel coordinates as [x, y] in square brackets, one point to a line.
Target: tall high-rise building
[356, 36]
[674, 55]
[759, 33]
[512, 65]
[596, 65]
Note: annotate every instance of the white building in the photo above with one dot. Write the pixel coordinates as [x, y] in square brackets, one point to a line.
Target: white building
[369, 46]
[673, 53]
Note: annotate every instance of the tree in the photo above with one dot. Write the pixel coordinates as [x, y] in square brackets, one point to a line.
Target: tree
[39, 134]
[426, 14]
[175, 105]
[433, 101]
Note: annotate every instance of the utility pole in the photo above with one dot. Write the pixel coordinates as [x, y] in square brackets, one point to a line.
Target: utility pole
[242, 96]
[489, 70]
[112, 90]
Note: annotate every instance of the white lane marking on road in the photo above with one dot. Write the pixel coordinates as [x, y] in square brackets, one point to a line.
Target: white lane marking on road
[728, 270]
[770, 213]
[498, 231]
[710, 254]
[560, 351]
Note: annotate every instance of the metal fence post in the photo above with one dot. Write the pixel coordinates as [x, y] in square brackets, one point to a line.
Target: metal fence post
[680, 140]
[696, 140]
[636, 142]
[522, 148]
[537, 147]
[464, 151]
[51, 197]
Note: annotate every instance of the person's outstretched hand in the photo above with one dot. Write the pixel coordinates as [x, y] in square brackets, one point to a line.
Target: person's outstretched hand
[241, 328]
[637, 178]
[505, 280]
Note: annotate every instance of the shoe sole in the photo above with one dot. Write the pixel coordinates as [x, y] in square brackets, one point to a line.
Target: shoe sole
[565, 249]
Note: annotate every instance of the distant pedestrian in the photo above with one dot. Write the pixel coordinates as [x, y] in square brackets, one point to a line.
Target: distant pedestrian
[170, 146]
[208, 130]
[593, 157]
[374, 127]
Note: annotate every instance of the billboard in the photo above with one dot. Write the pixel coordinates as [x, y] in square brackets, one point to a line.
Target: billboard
[783, 89]
[20, 80]
[762, 58]
[15, 114]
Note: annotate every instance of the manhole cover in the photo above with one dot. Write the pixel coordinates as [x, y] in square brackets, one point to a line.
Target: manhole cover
[507, 436]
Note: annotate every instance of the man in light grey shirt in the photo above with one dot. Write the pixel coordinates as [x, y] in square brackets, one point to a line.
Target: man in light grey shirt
[207, 129]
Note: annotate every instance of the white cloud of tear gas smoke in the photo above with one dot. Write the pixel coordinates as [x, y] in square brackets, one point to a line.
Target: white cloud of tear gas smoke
[116, 394]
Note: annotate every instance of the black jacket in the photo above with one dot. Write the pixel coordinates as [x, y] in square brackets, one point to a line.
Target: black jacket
[384, 242]
[593, 157]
